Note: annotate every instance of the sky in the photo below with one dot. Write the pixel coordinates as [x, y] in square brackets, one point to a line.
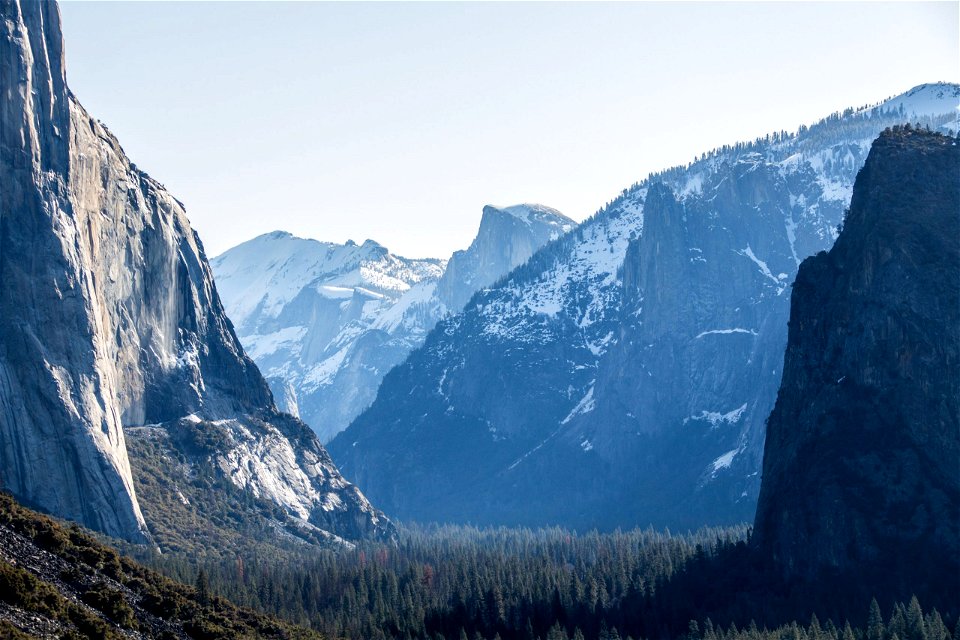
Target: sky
[400, 121]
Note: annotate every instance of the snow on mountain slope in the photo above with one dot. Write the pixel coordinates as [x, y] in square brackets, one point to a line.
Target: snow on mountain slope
[325, 322]
[571, 392]
[260, 277]
[927, 100]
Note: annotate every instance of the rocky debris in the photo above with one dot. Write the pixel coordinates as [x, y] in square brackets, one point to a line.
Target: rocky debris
[19, 551]
[38, 626]
[69, 585]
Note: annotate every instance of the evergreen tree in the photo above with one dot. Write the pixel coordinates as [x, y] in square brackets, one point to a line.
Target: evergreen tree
[693, 630]
[875, 628]
[916, 629]
[202, 585]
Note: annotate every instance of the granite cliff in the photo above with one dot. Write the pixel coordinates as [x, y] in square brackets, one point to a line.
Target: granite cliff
[109, 319]
[861, 471]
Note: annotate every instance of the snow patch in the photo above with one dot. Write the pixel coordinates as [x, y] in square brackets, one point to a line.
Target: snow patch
[725, 332]
[259, 346]
[586, 405]
[723, 462]
[715, 418]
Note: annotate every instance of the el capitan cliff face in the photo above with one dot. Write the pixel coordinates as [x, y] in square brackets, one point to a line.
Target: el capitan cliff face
[109, 319]
[862, 460]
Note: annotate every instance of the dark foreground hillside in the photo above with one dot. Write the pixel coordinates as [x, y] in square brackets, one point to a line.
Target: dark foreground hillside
[58, 582]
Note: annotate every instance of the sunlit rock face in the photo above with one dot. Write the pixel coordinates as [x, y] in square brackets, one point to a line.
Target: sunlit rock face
[109, 317]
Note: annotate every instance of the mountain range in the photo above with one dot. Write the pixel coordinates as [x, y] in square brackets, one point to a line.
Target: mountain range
[623, 374]
[771, 332]
[614, 373]
[325, 322]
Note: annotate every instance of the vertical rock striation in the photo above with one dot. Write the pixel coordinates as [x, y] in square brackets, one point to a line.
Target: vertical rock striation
[109, 317]
[61, 436]
[506, 239]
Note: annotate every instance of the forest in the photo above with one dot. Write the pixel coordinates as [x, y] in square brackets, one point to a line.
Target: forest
[456, 582]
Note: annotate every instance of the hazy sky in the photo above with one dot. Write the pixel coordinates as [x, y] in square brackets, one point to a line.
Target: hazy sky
[398, 122]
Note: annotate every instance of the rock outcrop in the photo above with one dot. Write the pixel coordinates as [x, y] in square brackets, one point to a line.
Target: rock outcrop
[109, 317]
[506, 239]
[861, 468]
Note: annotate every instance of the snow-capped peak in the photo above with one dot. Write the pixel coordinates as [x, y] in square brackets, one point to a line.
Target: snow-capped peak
[531, 213]
[928, 99]
[327, 321]
[262, 275]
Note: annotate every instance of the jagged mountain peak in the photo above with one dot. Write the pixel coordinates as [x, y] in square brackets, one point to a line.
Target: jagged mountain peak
[507, 237]
[327, 321]
[259, 277]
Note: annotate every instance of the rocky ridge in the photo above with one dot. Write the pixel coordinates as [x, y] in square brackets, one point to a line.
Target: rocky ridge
[624, 373]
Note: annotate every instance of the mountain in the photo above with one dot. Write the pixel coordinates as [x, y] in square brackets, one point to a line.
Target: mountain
[111, 329]
[326, 322]
[623, 374]
[308, 313]
[861, 472]
[507, 238]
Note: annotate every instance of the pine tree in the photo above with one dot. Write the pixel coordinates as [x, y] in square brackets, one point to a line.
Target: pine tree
[898, 622]
[709, 633]
[693, 630]
[815, 632]
[202, 586]
[916, 630]
[875, 629]
[936, 630]
[557, 632]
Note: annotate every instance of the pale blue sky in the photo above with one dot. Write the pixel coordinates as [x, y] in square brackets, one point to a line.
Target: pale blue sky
[398, 121]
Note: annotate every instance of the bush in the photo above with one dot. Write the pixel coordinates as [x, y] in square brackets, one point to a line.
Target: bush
[112, 604]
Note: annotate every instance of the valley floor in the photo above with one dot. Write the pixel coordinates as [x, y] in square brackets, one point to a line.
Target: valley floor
[457, 582]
